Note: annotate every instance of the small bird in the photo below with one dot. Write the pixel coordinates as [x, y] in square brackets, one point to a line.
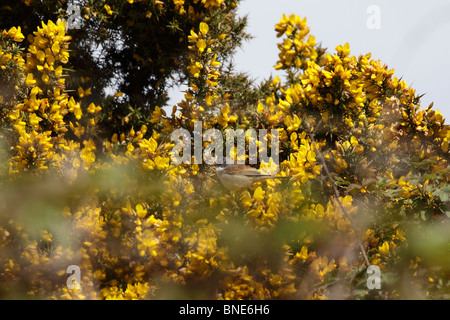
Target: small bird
[237, 176]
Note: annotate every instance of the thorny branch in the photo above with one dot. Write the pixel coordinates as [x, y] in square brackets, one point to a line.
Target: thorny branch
[336, 192]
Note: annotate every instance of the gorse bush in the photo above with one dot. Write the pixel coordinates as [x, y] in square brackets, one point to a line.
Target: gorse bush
[87, 178]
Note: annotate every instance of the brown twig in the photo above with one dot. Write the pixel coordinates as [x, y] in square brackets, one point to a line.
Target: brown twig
[336, 192]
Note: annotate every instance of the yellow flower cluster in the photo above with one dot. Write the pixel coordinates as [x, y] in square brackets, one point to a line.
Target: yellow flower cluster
[295, 50]
[239, 284]
[302, 163]
[136, 225]
[204, 65]
[12, 63]
[179, 5]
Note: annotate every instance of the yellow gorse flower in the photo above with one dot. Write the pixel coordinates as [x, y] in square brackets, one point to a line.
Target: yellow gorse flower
[136, 223]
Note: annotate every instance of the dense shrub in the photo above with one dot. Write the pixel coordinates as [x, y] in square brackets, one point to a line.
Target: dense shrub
[89, 182]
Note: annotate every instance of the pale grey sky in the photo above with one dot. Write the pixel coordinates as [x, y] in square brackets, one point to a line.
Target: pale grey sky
[413, 38]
